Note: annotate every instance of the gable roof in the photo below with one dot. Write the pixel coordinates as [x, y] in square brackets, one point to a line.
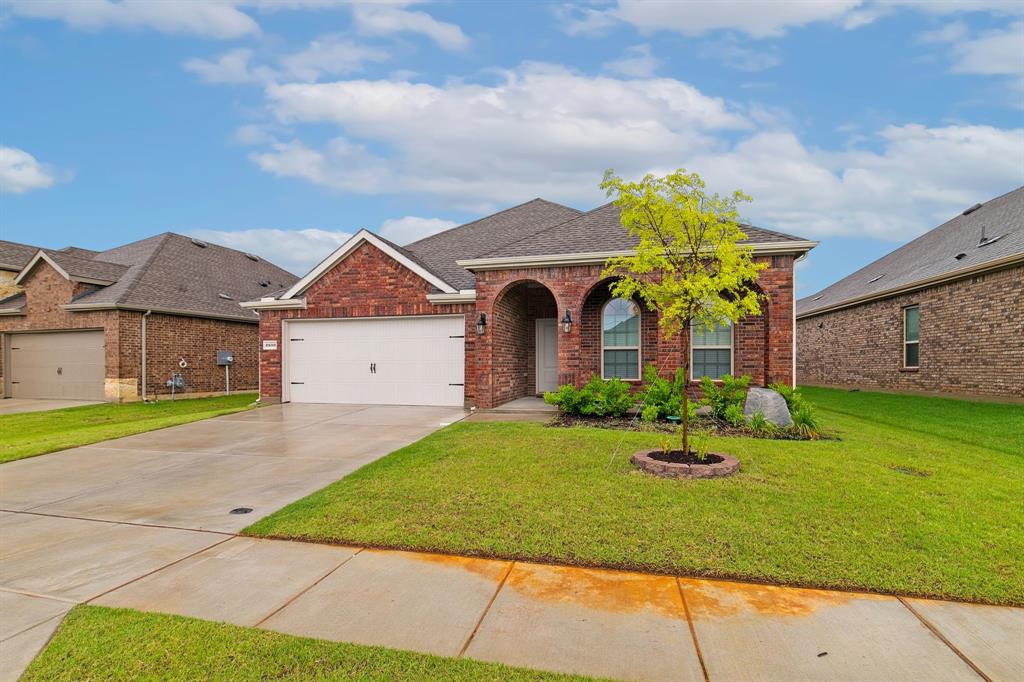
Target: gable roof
[932, 257]
[15, 256]
[600, 231]
[165, 273]
[441, 251]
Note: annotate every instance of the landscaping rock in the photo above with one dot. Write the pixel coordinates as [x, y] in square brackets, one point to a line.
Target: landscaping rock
[769, 403]
[703, 411]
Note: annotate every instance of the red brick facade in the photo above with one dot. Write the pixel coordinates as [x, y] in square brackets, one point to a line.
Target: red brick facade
[971, 333]
[500, 363]
[170, 338]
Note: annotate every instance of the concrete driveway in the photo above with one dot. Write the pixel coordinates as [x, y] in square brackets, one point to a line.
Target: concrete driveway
[16, 405]
[80, 523]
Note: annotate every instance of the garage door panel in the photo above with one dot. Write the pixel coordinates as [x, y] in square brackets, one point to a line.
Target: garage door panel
[67, 365]
[417, 361]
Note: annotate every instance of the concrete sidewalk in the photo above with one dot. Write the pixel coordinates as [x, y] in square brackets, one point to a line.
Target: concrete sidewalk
[597, 622]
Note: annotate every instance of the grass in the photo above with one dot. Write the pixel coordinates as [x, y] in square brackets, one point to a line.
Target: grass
[920, 496]
[97, 643]
[36, 433]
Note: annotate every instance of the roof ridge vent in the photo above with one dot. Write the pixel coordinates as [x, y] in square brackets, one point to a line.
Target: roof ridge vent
[971, 210]
[199, 242]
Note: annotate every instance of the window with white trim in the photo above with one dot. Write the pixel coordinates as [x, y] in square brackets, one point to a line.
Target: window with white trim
[710, 351]
[911, 336]
[620, 340]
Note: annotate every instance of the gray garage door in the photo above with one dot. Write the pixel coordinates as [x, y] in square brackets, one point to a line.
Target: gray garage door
[65, 365]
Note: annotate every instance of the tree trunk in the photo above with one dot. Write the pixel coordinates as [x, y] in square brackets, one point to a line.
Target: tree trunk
[685, 416]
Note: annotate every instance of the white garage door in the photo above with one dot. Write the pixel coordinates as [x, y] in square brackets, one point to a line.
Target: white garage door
[64, 365]
[378, 361]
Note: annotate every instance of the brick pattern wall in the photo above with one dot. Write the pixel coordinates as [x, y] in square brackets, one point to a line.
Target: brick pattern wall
[515, 339]
[172, 338]
[591, 332]
[46, 291]
[970, 340]
[368, 283]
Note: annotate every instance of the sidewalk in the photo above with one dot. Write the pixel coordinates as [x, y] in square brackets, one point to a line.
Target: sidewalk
[597, 622]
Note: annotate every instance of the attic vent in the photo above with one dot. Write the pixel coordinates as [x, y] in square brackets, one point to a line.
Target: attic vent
[960, 256]
[253, 257]
[225, 297]
[198, 242]
[972, 209]
[985, 241]
[876, 278]
[264, 283]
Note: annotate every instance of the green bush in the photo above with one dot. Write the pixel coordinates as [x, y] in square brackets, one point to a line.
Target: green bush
[663, 397]
[734, 415]
[598, 398]
[805, 423]
[731, 393]
[760, 425]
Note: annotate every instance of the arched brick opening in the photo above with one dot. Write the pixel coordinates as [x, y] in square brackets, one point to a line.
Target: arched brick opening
[514, 314]
[590, 330]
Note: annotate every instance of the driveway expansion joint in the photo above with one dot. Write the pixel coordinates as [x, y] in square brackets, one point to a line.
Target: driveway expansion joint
[291, 600]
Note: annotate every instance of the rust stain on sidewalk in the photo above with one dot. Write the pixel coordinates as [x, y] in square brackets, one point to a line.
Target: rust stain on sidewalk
[491, 569]
[712, 598]
[610, 591]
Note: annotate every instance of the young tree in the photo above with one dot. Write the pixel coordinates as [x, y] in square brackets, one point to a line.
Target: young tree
[689, 265]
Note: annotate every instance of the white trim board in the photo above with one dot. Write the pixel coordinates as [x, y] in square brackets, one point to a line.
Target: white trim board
[347, 248]
[41, 255]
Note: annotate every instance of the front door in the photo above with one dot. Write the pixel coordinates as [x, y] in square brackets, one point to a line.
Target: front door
[547, 355]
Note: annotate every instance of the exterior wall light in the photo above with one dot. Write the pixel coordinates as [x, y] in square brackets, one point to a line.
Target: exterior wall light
[481, 324]
[567, 322]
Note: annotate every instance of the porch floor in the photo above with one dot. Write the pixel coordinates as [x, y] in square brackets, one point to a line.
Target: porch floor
[529, 404]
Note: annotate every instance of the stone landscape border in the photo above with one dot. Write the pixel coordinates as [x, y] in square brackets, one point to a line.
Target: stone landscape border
[643, 460]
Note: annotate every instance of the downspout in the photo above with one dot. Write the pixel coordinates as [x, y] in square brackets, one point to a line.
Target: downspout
[144, 316]
[259, 361]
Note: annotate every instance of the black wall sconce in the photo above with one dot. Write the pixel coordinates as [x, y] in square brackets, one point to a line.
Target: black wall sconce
[567, 322]
[481, 324]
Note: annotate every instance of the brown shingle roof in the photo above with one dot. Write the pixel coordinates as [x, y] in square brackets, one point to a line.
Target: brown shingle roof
[15, 256]
[88, 268]
[599, 231]
[439, 252]
[172, 272]
[934, 254]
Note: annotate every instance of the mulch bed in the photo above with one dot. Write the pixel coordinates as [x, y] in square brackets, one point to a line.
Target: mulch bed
[709, 425]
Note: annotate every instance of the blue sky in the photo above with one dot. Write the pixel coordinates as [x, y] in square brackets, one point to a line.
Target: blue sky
[283, 126]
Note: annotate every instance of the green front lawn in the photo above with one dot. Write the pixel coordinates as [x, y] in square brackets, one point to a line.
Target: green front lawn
[920, 496]
[36, 433]
[96, 643]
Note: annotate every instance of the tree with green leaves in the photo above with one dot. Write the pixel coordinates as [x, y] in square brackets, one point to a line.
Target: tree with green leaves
[690, 265]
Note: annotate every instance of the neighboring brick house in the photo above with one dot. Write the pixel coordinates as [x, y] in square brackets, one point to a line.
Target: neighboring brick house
[72, 322]
[942, 314]
[501, 308]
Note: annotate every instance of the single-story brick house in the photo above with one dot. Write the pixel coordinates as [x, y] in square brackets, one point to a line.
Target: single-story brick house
[942, 314]
[74, 322]
[504, 307]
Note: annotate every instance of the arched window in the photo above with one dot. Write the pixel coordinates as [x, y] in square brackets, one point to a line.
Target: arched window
[620, 340]
[711, 351]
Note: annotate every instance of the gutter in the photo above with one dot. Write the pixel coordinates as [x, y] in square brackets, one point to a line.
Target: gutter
[463, 296]
[997, 264]
[274, 304]
[82, 307]
[599, 257]
[144, 316]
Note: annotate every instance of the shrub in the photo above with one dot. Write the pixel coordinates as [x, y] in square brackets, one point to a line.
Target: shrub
[598, 398]
[761, 426]
[732, 392]
[662, 397]
[805, 424]
[734, 415]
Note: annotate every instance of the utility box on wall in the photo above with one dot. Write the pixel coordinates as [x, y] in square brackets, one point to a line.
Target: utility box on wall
[225, 358]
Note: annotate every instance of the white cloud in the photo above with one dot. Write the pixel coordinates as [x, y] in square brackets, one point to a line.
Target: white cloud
[998, 52]
[638, 62]
[20, 172]
[298, 251]
[948, 33]
[387, 19]
[921, 177]
[730, 52]
[483, 147]
[696, 17]
[219, 20]
[493, 143]
[410, 228]
[230, 67]
[331, 55]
